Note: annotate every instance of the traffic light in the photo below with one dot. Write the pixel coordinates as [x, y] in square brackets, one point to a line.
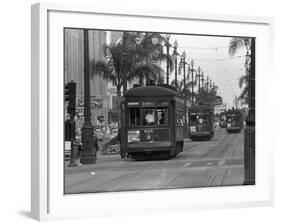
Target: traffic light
[66, 92]
[70, 98]
[69, 130]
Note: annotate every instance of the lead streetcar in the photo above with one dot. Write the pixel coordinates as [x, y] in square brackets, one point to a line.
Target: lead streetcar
[201, 122]
[153, 126]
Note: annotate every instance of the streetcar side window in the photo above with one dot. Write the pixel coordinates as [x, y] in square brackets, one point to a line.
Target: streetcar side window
[148, 115]
[134, 116]
[162, 116]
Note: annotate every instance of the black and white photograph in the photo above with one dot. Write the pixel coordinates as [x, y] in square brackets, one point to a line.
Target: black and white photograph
[155, 111]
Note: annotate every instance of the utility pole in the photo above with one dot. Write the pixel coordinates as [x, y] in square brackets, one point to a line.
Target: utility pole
[88, 154]
[249, 133]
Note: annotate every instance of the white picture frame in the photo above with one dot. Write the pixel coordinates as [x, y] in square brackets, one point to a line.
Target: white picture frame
[48, 201]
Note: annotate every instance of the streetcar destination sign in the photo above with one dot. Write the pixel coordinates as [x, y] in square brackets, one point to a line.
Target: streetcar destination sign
[133, 103]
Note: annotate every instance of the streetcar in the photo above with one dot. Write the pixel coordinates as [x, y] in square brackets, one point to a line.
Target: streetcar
[201, 122]
[234, 121]
[153, 126]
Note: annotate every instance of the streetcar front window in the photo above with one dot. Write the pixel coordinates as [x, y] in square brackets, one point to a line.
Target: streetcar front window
[197, 119]
[134, 116]
[148, 116]
[233, 118]
[162, 115]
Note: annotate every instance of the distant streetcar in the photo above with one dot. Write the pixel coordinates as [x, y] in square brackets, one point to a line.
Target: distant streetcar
[201, 122]
[154, 123]
[234, 121]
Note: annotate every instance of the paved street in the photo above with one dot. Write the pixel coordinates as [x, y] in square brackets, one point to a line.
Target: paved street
[202, 163]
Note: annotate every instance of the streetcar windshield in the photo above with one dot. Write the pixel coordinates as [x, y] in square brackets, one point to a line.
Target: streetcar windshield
[197, 119]
[155, 116]
[148, 115]
[162, 115]
[233, 118]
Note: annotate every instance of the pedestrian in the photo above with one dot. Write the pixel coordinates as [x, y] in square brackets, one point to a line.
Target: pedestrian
[96, 144]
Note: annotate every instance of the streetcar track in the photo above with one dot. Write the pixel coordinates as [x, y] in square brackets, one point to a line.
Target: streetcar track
[223, 143]
[228, 154]
[219, 165]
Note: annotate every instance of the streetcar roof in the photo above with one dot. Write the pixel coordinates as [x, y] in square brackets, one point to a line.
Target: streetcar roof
[151, 91]
[200, 108]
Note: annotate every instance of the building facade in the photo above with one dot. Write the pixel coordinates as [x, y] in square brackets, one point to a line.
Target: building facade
[74, 70]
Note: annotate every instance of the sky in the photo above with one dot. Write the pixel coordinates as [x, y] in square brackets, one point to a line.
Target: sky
[211, 54]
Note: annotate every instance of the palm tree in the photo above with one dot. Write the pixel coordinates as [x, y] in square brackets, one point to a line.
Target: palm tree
[148, 72]
[244, 81]
[235, 45]
[127, 61]
[132, 61]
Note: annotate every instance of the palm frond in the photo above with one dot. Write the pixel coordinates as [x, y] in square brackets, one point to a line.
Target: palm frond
[243, 80]
[236, 44]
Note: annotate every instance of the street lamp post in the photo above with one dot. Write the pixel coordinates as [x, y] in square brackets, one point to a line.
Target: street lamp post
[207, 86]
[175, 56]
[213, 93]
[88, 155]
[212, 85]
[198, 75]
[168, 45]
[192, 87]
[184, 90]
[124, 74]
[202, 84]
